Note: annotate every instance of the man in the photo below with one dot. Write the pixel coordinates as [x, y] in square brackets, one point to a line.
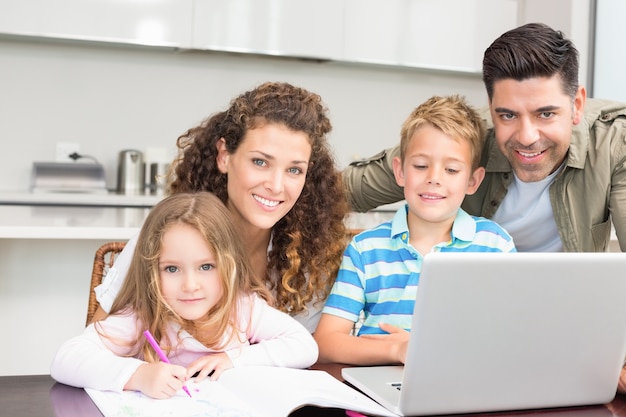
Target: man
[555, 162]
[555, 174]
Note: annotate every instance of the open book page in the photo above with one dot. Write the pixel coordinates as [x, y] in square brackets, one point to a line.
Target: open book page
[243, 392]
[209, 399]
[278, 391]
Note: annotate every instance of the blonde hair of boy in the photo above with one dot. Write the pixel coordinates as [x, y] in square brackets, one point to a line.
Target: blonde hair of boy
[141, 291]
[451, 115]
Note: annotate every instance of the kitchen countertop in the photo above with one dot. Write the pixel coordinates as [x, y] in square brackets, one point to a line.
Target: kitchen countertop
[101, 216]
[44, 221]
[56, 222]
[110, 199]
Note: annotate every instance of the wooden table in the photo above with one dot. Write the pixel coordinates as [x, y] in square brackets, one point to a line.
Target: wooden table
[41, 396]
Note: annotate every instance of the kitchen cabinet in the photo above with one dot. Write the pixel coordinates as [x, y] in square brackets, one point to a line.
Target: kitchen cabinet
[154, 23]
[46, 257]
[297, 28]
[440, 35]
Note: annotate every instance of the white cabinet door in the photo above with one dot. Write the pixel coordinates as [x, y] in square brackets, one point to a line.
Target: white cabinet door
[157, 22]
[442, 34]
[298, 28]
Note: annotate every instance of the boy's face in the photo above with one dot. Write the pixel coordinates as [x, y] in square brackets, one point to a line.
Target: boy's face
[533, 121]
[436, 175]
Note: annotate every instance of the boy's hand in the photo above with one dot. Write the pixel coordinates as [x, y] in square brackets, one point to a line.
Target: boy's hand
[621, 386]
[211, 366]
[398, 339]
[157, 380]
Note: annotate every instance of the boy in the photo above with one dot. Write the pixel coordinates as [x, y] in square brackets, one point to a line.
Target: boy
[440, 148]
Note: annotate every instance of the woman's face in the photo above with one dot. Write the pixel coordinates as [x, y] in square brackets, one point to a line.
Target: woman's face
[266, 174]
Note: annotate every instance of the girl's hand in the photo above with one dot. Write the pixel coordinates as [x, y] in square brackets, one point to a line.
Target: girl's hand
[210, 366]
[157, 380]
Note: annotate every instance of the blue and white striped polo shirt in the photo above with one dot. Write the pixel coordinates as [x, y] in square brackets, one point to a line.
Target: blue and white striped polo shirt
[380, 270]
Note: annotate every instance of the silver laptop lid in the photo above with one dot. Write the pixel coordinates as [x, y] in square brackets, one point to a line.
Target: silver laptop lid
[495, 331]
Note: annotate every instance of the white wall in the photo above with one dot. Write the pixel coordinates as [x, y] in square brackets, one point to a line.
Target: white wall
[109, 98]
[572, 17]
[610, 59]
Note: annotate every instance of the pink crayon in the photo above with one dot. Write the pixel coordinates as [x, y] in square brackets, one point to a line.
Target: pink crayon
[161, 354]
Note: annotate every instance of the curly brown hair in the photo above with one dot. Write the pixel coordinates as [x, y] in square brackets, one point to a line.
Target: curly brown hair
[308, 242]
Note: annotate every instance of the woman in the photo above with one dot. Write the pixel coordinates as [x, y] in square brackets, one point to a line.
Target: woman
[267, 158]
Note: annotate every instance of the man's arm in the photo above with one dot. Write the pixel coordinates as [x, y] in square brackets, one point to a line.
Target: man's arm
[370, 183]
[617, 202]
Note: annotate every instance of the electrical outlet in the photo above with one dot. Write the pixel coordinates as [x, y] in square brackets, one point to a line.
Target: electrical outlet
[65, 149]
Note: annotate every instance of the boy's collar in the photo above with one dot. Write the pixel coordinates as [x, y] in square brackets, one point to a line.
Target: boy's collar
[463, 228]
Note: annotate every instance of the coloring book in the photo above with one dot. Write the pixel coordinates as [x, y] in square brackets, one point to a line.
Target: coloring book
[255, 391]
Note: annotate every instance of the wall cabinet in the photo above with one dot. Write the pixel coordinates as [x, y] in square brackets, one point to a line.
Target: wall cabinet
[443, 34]
[297, 28]
[157, 23]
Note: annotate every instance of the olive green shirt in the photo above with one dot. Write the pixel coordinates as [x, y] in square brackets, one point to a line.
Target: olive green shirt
[586, 196]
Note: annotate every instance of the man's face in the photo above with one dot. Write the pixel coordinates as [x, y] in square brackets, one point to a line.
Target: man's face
[533, 122]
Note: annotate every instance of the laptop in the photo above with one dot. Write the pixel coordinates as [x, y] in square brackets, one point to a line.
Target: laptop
[508, 331]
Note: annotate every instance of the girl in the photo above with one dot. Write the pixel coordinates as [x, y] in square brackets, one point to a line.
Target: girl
[191, 284]
[267, 158]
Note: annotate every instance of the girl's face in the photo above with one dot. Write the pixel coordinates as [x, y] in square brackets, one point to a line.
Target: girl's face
[190, 282]
[266, 174]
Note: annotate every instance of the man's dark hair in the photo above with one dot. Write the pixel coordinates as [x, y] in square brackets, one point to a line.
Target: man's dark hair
[529, 51]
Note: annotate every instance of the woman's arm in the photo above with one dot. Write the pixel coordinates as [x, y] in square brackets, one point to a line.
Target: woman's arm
[112, 282]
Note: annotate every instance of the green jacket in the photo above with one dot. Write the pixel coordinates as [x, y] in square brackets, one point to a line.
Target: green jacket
[586, 195]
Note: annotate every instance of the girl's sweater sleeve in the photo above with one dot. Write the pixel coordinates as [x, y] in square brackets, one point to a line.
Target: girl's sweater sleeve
[89, 361]
[276, 339]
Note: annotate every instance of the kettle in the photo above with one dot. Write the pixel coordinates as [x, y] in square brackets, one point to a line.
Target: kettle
[131, 172]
